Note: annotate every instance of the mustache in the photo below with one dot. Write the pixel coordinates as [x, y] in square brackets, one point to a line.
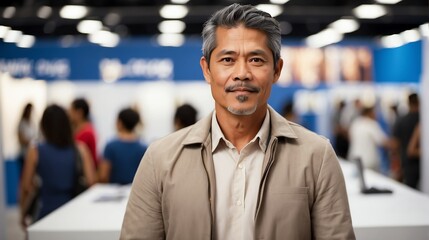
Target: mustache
[242, 87]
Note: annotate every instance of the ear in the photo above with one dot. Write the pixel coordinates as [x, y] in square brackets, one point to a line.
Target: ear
[206, 70]
[277, 70]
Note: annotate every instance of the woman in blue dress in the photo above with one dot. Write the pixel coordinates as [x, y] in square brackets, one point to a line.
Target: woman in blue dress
[53, 161]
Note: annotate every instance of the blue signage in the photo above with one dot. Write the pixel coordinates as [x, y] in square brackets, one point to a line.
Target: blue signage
[136, 60]
[139, 59]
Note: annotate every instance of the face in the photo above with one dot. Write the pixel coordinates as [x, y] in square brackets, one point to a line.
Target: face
[73, 114]
[241, 71]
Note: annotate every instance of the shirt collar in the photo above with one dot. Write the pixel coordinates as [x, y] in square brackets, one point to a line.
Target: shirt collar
[262, 135]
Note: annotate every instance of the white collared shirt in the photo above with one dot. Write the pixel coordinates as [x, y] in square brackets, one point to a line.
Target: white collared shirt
[237, 182]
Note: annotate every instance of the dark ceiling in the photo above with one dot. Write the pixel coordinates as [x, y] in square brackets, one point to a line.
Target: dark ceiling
[300, 18]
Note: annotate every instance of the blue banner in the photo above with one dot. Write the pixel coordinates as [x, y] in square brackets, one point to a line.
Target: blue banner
[136, 60]
[140, 59]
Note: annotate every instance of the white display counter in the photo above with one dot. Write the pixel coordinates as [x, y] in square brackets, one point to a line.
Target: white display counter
[98, 213]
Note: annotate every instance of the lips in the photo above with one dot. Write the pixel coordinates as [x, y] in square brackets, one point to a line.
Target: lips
[241, 88]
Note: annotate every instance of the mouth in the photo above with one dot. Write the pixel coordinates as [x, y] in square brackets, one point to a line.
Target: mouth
[242, 89]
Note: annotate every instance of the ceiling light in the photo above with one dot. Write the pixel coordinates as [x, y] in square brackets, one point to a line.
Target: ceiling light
[412, 35]
[324, 38]
[345, 25]
[272, 9]
[12, 36]
[388, 1]
[171, 26]
[89, 26]
[104, 38]
[173, 11]
[424, 29]
[279, 1]
[369, 11]
[391, 41]
[112, 19]
[3, 31]
[73, 11]
[9, 12]
[179, 1]
[26, 41]
[170, 40]
[44, 12]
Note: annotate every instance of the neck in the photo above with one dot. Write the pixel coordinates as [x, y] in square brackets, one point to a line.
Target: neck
[126, 136]
[239, 129]
[80, 125]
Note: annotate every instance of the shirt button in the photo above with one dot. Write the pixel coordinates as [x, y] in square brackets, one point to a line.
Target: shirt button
[240, 166]
[238, 203]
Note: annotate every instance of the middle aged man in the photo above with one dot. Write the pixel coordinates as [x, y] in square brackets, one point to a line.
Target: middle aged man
[244, 172]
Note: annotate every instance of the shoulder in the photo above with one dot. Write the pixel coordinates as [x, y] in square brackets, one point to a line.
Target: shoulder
[306, 136]
[113, 142]
[171, 141]
[87, 131]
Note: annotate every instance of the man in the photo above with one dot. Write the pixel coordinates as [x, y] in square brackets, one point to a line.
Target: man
[244, 172]
[366, 136]
[402, 132]
[83, 129]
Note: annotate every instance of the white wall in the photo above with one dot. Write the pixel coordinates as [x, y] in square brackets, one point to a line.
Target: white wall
[2, 185]
[15, 94]
[156, 102]
[424, 120]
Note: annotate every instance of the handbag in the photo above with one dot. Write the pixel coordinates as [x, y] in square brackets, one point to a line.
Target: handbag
[79, 178]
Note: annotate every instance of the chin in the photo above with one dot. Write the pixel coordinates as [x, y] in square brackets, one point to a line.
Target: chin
[242, 111]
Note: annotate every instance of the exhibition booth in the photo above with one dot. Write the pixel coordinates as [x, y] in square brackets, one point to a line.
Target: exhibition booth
[155, 80]
[98, 212]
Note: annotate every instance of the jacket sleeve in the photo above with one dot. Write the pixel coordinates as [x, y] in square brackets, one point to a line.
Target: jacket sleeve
[143, 215]
[331, 217]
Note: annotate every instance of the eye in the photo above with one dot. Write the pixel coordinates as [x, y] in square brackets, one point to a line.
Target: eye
[226, 59]
[257, 60]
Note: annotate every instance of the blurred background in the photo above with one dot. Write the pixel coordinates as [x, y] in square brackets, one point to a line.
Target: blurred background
[145, 55]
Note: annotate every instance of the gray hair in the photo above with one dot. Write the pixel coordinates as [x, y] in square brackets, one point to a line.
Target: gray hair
[236, 14]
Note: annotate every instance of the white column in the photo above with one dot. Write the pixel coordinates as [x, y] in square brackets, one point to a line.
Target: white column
[424, 118]
[2, 191]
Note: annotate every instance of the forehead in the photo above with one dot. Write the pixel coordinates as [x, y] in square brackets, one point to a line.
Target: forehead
[241, 36]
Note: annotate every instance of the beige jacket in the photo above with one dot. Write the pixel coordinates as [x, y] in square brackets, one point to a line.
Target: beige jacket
[302, 193]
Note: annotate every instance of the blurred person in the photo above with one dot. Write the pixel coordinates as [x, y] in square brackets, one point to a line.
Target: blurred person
[26, 133]
[288, 112]
[185, 116]
[402, 131]
[54, 162]
[350, 113]
[341, 134]
[244, 171]
[394, 156]
[413, 149]
[82, 127]
[366, 136]
[122, 155]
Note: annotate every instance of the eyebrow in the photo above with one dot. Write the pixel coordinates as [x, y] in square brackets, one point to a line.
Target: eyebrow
[231, 52]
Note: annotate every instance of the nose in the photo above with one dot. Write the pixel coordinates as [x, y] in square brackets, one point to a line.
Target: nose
[241, 71]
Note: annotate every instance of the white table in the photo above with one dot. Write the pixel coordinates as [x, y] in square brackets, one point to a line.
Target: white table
[401, 215]
[95, 214]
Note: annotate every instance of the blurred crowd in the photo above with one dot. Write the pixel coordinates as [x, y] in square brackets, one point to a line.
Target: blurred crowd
[388, 144]
[61, 161]
[393, 150]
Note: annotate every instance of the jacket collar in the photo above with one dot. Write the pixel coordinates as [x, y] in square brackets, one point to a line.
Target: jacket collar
[200, 131]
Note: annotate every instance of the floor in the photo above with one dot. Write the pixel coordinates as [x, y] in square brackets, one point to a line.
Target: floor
[13, 228]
